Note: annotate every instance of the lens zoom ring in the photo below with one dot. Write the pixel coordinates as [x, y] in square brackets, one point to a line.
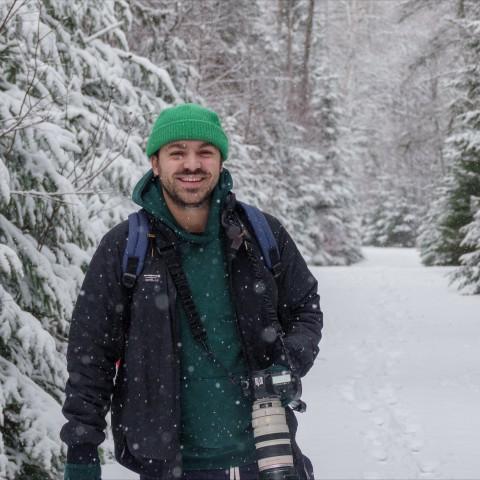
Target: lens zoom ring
[272, 436]
[274, 451]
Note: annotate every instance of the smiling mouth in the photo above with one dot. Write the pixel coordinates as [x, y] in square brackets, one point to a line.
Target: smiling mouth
[191, 179]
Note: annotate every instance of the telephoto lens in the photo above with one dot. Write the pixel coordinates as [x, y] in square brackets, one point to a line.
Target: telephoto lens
[270, 429]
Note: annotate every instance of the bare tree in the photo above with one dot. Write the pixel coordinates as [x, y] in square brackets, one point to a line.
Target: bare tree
[304, 92]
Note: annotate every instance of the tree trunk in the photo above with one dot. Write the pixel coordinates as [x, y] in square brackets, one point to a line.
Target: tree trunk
[306, 58]
[289, 21]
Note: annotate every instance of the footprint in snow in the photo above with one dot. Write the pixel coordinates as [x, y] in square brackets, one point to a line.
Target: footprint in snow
[415, 444]
[380, 453]
[376, 447]
[413, 437]
[379, 421]
[428, 470]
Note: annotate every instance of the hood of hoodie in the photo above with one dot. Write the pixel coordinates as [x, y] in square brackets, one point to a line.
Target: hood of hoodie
[149, 195]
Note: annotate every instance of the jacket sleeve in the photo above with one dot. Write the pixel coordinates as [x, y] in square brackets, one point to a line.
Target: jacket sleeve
[299, 301]
[95, 343]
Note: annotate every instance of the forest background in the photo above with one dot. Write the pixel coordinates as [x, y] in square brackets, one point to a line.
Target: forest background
[353, 121]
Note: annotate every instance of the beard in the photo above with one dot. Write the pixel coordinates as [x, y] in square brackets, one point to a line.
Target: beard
[184, 199]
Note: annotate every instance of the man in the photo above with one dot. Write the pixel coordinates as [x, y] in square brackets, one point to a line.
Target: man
[179, 411]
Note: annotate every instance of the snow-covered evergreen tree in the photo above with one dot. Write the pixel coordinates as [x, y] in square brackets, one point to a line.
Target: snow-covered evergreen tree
[390, 218]
[436, 241]
[392, 224]
[468, 275]
[316, 194]
[465, 199]
[443, 239]
[322, 201]
[75, 106]
[394, 61]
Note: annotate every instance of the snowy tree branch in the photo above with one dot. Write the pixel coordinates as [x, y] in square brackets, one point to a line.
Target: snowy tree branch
[11, 13]
[104, 31]
[29, 84]
[159, 72]
[19, 120]
[37, 193]
[233, 69]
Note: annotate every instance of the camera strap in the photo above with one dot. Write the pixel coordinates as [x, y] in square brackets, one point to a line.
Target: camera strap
[166, 244]
[239, 235]
[270, 312]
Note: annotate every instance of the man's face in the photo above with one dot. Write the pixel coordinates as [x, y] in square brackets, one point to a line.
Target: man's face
[188, 171]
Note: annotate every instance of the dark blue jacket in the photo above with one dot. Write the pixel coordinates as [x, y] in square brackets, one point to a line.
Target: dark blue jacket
[109, 323]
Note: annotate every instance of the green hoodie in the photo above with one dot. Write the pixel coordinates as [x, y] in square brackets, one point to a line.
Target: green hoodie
[216, 417]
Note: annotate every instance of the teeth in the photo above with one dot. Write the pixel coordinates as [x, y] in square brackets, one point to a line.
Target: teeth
[190, 179]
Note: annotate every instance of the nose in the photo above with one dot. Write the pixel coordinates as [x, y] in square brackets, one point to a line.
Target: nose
[191, 161]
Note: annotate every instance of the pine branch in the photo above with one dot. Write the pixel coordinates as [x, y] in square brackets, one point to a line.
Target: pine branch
[104, 31]
[30, 84]
[11, 13]
[38, 193]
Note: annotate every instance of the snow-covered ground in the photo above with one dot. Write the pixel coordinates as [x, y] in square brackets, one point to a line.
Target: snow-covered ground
[395, 392]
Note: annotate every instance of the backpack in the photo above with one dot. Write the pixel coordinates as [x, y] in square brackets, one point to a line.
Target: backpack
[137, 243]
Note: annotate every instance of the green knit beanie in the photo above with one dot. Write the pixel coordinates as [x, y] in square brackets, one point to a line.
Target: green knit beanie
[187, 122]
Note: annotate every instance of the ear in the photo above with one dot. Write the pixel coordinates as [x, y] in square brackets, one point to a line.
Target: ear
[155, 165]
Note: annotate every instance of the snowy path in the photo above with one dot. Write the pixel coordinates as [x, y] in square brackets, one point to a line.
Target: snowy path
[395, 393]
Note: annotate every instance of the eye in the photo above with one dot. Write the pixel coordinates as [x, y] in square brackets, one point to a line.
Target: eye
[176, 153]
[206, 153]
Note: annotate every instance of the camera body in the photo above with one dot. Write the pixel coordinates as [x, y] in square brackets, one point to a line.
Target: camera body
[282, 384]
[270, 429]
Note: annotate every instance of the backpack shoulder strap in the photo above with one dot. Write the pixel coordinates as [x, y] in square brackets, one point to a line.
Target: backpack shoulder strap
[265, 237]
[136, 248]
[271, 258]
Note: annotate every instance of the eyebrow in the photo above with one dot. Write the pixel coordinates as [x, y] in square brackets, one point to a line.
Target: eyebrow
[181, 145]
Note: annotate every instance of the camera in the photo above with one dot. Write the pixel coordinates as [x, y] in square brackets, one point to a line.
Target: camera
[270, 429]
